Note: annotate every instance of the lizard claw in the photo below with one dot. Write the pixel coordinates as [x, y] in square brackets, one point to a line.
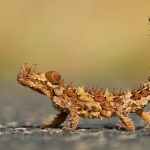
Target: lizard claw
[121, 126]
[68, 128]
[146, 127]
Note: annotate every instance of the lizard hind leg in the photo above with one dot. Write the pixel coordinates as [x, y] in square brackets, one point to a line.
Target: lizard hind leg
[127, 122]
[74, 119]
[146, 118]
[60, 118]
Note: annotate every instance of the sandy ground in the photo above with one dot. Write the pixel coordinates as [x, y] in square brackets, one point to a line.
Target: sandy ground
[23, 111]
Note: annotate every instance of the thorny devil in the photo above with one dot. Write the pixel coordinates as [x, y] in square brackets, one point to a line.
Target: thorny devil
[74, 103]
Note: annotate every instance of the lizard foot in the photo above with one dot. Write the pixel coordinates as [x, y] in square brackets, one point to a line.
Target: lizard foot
[121, 126]
[146, 127]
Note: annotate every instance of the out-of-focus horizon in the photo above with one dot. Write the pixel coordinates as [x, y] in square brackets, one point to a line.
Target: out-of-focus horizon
[88, 41]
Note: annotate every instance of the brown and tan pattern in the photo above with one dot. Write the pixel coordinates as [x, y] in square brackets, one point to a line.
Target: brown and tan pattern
[74, 103]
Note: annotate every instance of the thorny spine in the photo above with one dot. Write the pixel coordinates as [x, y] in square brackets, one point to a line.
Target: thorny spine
[85, 102]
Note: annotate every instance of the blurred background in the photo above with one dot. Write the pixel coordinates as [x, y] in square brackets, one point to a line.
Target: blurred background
[95, 42]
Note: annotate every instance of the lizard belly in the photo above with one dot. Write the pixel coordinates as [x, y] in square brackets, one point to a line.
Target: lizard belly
[89, 114]
[95, 114]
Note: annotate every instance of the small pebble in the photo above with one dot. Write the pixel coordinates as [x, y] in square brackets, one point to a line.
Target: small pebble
[1, 126]
[12, 124]
[21, 129]
[28, 132]
[44, 130]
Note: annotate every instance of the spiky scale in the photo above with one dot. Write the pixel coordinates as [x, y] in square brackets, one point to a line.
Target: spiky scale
[143, 93]
[92, 91]
[140, 86]
[97, 91]
[87, 89]
[135, 95]
[121, 92]
[115, 92]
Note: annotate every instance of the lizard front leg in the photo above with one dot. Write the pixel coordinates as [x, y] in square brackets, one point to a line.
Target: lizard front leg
[60, 118]
[146, 118]
[74, 119]
[127, 122]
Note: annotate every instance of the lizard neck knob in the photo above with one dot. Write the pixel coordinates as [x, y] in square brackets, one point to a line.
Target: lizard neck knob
[54, 77]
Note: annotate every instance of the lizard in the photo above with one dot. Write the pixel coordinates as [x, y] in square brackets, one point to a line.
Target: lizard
[73, 103]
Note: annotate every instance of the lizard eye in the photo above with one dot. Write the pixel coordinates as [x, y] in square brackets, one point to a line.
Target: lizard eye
[27, 76]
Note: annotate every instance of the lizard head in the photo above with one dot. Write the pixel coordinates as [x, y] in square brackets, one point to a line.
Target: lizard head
[41, 82]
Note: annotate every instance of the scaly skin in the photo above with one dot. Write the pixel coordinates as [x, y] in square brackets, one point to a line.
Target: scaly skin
[85, 102]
